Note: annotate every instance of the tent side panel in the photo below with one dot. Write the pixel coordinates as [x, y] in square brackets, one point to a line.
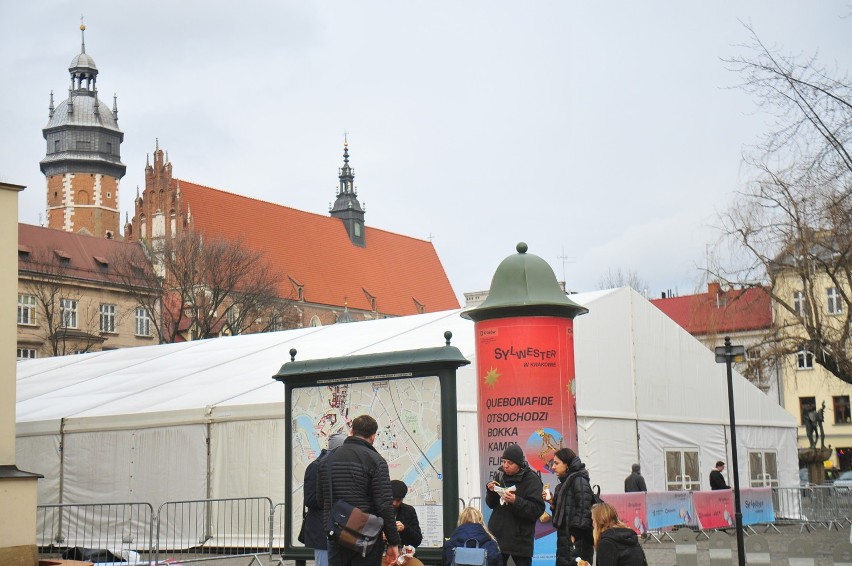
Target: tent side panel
[608, 448]
[151, 465]
[41, 455]
[247, 459]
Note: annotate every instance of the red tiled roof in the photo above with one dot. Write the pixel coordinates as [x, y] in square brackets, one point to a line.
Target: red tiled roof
[728, 311]
[316, 252]
[88, 258]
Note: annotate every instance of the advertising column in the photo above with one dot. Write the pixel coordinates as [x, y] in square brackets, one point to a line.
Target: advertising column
[525, 373]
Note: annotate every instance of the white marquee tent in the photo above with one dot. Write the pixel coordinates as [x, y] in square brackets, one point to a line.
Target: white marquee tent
[134, 424]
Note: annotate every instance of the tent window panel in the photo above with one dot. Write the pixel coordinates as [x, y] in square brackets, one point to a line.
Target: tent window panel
[682, 470]
[763, 468]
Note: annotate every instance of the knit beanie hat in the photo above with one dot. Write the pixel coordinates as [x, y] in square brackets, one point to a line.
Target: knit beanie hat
[515, 454]
[398, 489]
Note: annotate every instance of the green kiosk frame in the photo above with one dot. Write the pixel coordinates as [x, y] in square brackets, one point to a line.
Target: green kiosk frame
[441, 362]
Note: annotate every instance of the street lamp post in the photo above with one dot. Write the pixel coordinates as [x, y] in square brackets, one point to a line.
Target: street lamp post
[727, 354]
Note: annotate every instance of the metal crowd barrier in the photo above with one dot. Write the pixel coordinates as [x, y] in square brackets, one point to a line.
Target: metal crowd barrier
[211, 528]
[119, 528]
[208, 529]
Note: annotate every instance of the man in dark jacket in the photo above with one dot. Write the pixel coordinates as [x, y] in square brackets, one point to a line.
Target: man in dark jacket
[407, 522]
[635, 481]
[359, 476]
[717, 480]
[514, 497]
[315, 532]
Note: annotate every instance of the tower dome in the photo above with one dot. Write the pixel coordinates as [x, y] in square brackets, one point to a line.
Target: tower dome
[83, 70]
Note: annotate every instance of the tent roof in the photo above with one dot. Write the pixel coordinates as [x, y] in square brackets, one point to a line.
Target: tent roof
[622, 336]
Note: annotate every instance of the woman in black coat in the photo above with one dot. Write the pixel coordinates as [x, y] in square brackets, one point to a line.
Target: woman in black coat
[616, 543]
[571, 509]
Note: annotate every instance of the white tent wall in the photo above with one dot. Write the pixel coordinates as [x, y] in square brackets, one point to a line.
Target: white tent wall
[638, 373]
[644, 384]
[605, 444]
[38, 447]
[247, 459]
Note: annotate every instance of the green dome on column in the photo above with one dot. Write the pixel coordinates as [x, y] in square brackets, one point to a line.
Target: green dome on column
[524, 285]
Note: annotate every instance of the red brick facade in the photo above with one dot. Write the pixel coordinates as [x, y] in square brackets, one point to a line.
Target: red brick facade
[83, 203]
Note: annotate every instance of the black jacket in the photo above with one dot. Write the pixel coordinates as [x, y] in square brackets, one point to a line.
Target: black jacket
[572, 514]
[465, 533]
[315, 532]
[620, 547]
[514, 525]
[360, 477]
[634, 482]
[407, 515]
[717, 480]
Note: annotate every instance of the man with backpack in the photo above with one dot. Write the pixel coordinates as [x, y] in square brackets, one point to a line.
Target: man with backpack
[515, 499]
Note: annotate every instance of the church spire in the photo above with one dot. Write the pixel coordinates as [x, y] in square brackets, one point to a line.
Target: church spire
[346, 205]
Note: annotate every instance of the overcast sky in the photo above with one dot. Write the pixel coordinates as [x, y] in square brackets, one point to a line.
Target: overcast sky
[603, 134]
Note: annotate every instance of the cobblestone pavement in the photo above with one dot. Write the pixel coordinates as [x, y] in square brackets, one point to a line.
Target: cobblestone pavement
[824, 539]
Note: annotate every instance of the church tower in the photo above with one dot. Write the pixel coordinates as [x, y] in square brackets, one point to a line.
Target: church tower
[346, 206]
[83, 161]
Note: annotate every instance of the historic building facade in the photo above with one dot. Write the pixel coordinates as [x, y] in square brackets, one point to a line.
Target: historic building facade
[83, 157]
[76, 294]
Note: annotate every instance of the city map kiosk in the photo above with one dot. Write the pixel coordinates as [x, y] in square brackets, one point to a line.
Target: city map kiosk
[412, 395]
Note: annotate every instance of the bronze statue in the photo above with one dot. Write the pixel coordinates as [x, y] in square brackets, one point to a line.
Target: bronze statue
[814, 427]
[820, 419]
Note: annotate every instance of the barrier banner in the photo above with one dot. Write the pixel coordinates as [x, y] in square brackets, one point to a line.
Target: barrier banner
[631, 509]
[668, 508]
[756, 505]
[714, 509]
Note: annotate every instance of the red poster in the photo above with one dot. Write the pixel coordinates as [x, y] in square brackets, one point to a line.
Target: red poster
[714, 509]
[525, 370]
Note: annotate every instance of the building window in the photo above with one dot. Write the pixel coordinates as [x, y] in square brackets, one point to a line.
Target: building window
[107, 318]
[682, 471]
[834, 304]
[315, 321]
[806, 405]
[762, 468]
[26, 309]
[67, 313]
[27, 354]
[799, 303]
[841, 409]
[143, 322]
[55, 145]
[804, 360]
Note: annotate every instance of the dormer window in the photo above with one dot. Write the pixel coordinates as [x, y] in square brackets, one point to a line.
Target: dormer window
[62, 256]
[298, 288]
[24, 252]
[371, 298]
[421, 308]
[102, 262]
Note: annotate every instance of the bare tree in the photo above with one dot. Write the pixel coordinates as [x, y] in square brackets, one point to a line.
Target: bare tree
[618, 278]
[68, 321]
[209, 286]
[793, 224]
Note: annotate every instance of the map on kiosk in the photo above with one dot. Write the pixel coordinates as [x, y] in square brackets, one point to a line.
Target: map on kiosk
[409, 437]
